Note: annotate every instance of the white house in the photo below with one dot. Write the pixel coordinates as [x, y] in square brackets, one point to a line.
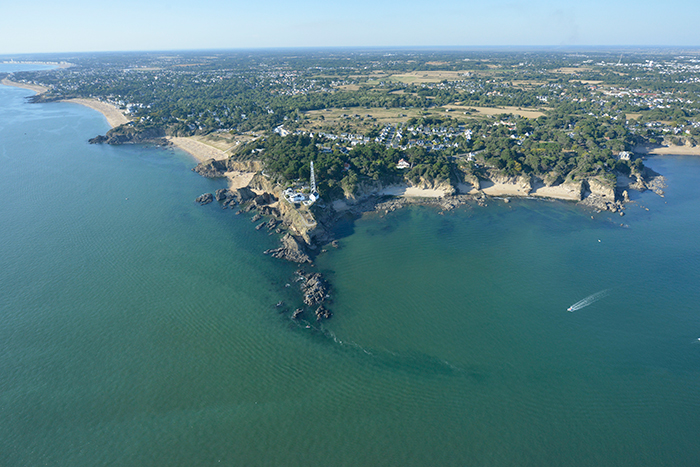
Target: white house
[403, 164]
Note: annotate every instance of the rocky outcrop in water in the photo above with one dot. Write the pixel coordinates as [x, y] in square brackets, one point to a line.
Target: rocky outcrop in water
[127, 134]
[205, 198]
[234, 197]
[322, 313]
[314, 287]
[291, 250]
[649, 180]
[211, 168]
[601, 203]
[221, 195]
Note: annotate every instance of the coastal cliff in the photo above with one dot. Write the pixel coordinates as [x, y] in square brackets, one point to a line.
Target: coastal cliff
[305, 230]
[217, 168]
[127, 134]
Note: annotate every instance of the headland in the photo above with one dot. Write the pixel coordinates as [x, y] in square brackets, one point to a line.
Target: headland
[409, 129]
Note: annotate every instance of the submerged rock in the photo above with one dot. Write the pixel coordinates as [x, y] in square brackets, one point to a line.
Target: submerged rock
[323, 313]
[601, 203]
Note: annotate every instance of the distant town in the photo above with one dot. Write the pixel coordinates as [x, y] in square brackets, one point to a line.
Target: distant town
[422, 117]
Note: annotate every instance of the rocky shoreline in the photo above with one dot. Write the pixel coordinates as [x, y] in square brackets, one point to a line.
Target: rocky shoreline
[263, 207]
[301, 241]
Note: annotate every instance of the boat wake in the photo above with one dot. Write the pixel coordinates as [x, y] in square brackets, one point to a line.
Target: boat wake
[591, 299]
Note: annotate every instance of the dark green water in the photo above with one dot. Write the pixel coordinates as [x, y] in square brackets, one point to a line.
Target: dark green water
[137, 328]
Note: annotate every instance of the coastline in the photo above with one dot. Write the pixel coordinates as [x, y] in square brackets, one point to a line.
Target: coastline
[307, 233]
[200, 151]
[113, 115]
[561, 192]
[405, 191]
[32, 87]
[668, 150]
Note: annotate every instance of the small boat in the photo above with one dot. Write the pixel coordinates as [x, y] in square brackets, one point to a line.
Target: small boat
[279, 304]
[570, 308]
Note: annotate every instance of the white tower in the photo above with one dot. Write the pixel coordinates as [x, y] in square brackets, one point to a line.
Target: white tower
[313, 196]
[313, 178]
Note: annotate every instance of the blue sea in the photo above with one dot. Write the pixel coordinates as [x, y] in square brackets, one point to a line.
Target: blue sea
[138, 328]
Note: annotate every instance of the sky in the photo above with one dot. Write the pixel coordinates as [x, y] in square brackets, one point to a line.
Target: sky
[42, 26]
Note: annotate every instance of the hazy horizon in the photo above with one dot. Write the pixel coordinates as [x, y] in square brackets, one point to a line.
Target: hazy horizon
[79, 26]
[39, 57]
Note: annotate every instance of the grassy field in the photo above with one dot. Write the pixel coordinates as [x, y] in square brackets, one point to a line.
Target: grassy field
[428, 76]
[486, 111]
[572, 70]
[360, 120]
[357, 119]
[225, 141]
[527, 83]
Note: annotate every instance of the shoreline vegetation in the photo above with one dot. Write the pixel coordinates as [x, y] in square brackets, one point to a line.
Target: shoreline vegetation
[410, 129]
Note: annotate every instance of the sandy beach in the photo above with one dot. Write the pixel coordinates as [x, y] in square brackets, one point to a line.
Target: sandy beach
[411, 192]
[239, 179]
[668, 150]
[566, 192]
[32, 87]
[113, 115]
[199, 151]
[203, 152]
[503, 189]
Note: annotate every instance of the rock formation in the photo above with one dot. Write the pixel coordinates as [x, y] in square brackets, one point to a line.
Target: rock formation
[127, 134]
[211, 168]
[322, 313]
[315, 288]
[205, 198]
[291, 250]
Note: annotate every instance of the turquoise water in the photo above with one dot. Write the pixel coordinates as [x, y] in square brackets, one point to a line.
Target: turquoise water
[137, 328]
